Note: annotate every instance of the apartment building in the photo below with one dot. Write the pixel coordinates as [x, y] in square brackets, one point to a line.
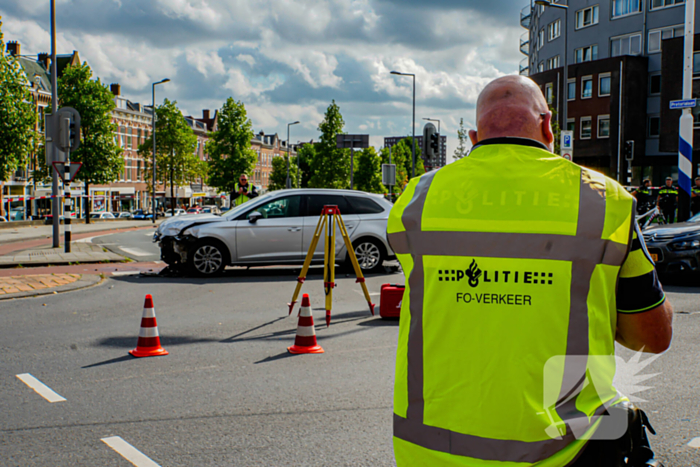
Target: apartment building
[615, 51]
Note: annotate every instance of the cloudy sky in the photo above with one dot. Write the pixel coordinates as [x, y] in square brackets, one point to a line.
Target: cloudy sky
[287, 59]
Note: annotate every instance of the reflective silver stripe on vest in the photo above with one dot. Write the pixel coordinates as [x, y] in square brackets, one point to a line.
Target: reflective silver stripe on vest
[585, 250]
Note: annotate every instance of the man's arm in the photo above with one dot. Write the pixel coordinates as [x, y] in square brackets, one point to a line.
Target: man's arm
[644, 316]
[253, 192]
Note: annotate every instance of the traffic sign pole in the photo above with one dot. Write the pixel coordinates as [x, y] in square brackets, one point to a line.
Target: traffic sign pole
[685, 133]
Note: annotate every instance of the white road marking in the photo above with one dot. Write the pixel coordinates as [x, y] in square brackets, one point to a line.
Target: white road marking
[134, 251]
[360, 292]
[128, 452]
[84, 240]
[694, 443]
[125, 273]
[149, 234]
[40, 388]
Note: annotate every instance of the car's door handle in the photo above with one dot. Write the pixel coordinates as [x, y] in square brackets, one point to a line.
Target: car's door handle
[294, 229]
[349, 226]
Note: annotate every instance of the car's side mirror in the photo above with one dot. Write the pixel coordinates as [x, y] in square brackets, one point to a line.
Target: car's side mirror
[254, 216]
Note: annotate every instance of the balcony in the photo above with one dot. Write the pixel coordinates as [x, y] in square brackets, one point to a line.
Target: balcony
[525, 43]
[524, 68]
[525, 16]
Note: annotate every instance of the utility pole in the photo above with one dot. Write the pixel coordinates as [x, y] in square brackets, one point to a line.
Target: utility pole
[413, 128]
[55, 210]
[685, 140]
[153, 135]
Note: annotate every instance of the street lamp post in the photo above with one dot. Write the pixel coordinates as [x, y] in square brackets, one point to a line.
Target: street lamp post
[563, 125]
[153, 135]
[289, 180]
[413, 127]
[439, 136]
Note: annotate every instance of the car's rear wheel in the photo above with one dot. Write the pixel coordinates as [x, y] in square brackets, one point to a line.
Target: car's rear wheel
[207, 258]
[370, 255]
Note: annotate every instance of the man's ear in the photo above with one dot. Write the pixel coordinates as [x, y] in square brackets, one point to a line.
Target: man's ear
[474, 137]
[547, 132]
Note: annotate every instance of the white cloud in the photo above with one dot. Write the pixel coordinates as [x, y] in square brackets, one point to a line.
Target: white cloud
[197, 11]
[245, 58]
[206, 62]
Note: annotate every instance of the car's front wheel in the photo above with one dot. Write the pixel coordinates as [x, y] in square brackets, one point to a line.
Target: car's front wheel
[370, 255]
[207, 258]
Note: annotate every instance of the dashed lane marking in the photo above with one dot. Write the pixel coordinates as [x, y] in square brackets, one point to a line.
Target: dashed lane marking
[128, 452]
[125, 273]
[40, 388]
[134, 251]
[694, 443]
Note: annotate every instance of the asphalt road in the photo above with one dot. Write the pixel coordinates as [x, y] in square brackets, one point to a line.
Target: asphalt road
[137, 245]
[228, 393]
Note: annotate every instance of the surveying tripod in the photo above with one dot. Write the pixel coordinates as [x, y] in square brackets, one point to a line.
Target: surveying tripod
[330, 217]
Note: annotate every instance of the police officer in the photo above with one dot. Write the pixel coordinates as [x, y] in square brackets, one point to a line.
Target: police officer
[507, 337]
[243, 191]
[644, 197]
[668, 200]
[695, 197]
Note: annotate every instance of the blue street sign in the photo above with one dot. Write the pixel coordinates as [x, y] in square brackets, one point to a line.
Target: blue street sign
[567, 141]
[686, 104]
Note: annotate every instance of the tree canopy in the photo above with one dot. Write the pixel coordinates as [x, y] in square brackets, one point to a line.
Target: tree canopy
[229, 151]
[330, 166]
[368, 171]
[463, 138]
[278, 176]
[305, 156]
[401, 156]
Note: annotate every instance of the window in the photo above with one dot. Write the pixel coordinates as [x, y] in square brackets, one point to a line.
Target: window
[627, 45]
[604, 84]
[586, 87]
[554, 29]
[658, 35]
[279, 208]
[654, 127]
[315, 204]
[656, 4]
[625, 7]
[540, 39]
[604, 126]
[655, 84]
[553, 63]
[540, 67]
[696, 63]
[549, 92]
[364, 205]
[571, 124]
[587, 17]
[571, 90]
[586, 127]
[586, 54]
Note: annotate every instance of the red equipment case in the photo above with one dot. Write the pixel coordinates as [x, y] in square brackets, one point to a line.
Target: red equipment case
[390, 300]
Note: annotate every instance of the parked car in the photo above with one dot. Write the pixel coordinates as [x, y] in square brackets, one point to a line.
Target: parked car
[211, 210]
[101, 215]
[178, 212]
[675, 247]
[123, 215]
[194, 210]
[3, 219]
[140, 215]
[276, 228]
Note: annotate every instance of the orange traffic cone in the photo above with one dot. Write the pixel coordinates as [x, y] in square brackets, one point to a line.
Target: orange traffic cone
[148, 344]
[305, 341]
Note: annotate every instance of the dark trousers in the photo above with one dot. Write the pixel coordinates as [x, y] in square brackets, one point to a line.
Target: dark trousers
[669, 213]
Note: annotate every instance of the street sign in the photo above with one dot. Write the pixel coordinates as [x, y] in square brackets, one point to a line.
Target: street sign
[389, 174]
[74, 168]
[352, 141]
[567, 145]
[684, 104]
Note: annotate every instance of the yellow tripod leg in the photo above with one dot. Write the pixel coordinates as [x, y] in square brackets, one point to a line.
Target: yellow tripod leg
[307, 261]
[355, 264]
[331, 267]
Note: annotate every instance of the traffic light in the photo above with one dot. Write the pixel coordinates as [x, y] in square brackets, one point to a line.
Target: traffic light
[430, 141]
[629, 150]
[68, 136]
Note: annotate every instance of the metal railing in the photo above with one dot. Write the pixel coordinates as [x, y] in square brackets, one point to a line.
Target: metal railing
[525, 17]
[525, 43]
[524, 68]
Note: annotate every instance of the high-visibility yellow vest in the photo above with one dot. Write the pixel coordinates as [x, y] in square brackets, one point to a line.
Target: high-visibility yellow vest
[506, 341]
[241, 198]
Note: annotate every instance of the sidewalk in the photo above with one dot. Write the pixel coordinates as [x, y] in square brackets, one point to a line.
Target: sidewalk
[20, 234]
[44, 284]
[81, 252]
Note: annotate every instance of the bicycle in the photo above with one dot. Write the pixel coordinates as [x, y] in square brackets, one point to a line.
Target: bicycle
[653, 216]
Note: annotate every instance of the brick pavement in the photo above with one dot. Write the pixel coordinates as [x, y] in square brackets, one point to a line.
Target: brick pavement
[29, 283]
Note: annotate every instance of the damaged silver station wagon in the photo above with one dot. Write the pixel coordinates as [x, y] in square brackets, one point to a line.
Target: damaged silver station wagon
[276, 229]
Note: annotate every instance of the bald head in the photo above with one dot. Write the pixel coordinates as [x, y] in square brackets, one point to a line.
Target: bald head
[512, 106]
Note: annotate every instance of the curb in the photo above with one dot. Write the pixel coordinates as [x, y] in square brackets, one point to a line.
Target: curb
[85, 281]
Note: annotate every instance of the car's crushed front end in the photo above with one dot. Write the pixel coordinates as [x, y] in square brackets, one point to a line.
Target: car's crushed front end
[674, 248]
[177, 235]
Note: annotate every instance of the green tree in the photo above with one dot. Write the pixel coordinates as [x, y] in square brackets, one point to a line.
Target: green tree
[278, 176]
[368, 172]
[229, 151]
[17, 117]
[463, 138]
[304, 158]
[556, 130]
[330, 166]
[176, 161]
[101, 157]
[401, 156]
